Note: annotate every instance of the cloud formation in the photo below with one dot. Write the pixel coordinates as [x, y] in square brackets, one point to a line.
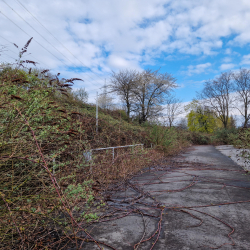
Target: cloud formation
[227, 66]
[111, 35]
[198, 69]
[246, 60]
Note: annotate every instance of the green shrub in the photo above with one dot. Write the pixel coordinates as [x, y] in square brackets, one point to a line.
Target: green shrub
[225, 136]
[198, 138]
[166, 138]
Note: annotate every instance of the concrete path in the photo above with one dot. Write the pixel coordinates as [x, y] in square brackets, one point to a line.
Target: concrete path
[198, 200]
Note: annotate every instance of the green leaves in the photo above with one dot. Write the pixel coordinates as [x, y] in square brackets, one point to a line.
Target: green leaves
[164, 137]
[83, 191]
[201, 121]
[90, 217]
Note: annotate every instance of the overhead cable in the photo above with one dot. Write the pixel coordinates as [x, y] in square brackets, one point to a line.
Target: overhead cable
[56, 38]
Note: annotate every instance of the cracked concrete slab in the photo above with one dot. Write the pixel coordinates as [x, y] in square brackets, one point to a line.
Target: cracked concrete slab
[198, 200]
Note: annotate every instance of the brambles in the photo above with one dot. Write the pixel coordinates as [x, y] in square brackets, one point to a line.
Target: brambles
[33, 146]
[45, 181]
[80, 191]
[168, 139]
[90, 217]
[44, 175]
[241, 140]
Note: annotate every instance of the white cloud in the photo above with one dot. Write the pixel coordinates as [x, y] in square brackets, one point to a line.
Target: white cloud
[119, 62]
[246, 60]
[110, 35]
[227, 59]
[228, 51]
[226, 66]
[197, 69]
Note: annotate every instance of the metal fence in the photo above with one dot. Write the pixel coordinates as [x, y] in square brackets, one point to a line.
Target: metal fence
[88, 154]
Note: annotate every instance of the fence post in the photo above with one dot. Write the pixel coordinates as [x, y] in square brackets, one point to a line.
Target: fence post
[113, 153]
[88, 158]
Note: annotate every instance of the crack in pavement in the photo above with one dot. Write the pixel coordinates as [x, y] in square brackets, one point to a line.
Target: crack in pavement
[197, 200]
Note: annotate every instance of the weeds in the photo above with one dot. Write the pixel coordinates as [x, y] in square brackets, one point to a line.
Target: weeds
[241, 140]
[46, 184]
[168, 140]
[43, 172]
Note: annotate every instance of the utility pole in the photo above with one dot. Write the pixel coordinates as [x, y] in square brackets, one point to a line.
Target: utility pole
[105, 95]
[97, 112]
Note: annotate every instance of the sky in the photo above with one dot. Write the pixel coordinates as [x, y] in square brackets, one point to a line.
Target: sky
[191, 39]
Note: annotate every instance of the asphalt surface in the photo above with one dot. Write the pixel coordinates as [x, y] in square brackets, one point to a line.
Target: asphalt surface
[197, 200]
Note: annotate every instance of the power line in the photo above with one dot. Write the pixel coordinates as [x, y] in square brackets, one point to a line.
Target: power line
[52, 36]
[8, 55]
[28, 35]
[34, 39]
[32, 56]
[42, 36]
[56, 38]
[37, 41]
[15, 52]
[38, 32]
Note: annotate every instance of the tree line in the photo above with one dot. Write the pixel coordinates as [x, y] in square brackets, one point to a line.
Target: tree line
[148, 95]
[225, 93]
[144, 93]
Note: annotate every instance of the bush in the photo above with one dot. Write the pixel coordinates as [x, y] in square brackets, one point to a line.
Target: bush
[224, 136]
[168, 139]
[241, 139]
[198, 138]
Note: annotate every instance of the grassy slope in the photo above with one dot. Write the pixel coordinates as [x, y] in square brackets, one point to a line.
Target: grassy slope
[43, 133]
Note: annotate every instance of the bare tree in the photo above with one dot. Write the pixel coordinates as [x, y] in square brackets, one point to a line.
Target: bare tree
[242, 88]
[122, 83]
[173, 109]
[182, 123]
[150, 91]
[105, 101]
[81, 94]
[217, 95]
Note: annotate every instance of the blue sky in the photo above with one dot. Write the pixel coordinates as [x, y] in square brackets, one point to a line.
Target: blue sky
[193, 40]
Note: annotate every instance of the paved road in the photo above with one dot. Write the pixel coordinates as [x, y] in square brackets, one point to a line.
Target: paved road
[198, 200]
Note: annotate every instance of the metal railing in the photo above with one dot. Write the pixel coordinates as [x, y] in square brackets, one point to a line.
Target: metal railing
[88, 154]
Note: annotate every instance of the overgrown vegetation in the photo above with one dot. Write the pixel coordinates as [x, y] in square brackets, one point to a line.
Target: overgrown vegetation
[241, 140]
[49, 190]
[46, 183]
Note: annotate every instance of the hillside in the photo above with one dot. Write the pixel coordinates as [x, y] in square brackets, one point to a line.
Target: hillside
[44, 132]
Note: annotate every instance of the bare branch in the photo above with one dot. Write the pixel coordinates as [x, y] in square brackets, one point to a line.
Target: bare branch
[217, 95]
[173, 109]
[122, 83]
[242, 88]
